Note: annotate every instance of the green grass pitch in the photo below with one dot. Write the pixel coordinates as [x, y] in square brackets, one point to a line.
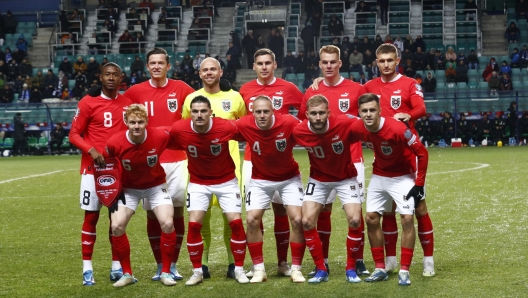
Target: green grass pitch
[476, 198]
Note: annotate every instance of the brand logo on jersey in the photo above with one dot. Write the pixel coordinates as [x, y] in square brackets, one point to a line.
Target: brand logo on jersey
[397, 91]
[215, 140]
[152, 151]
[172, 104]
[338, 147]
[172, 94]
[344, 104]
[395, 102]
[335, 138]
[106, 180]
[226, 105]
[277, 102]
[344, 94]
[280, 135]
[216, 149]
[387, 150]
[384, 143]
[281, 144]
[152, 160]
[279, 92]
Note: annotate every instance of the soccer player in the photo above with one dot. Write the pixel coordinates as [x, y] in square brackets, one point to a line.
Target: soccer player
[394, 179]
[212, 171]
[227, 105]
[268, 134]
[143, 178]
[164, 100]
[401, 98]
[342, 95]
[284, 95]
[95, 121]
[326, 137]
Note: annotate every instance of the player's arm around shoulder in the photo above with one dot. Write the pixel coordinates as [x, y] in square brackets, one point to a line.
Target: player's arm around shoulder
[417, 100]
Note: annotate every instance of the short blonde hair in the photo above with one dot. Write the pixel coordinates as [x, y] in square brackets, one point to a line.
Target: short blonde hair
[138, 110]
[387, 48]
[316, 100]
[330, 49]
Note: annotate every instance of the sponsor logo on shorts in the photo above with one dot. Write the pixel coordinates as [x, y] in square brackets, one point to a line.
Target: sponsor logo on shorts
[354, 196]
[106, 180]
[152, 160]
[387, 150]
[406, 207]
[172, 105]
[280, 144]
[238, 196]
[344, 104]
[216, 149]
[301, 191]
[352, 187]
[238, 205]
[360, 185]
[277, 102]
[226, 105]
[167, 198]
[164, 190]
[395, 102]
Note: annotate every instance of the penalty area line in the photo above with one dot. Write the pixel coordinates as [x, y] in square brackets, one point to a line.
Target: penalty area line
[33, 176]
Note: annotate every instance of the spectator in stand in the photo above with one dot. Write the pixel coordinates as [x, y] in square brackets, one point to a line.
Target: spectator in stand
[38, 81]
[50, 81]
[7, 95]
[316, 23]
[493, 83]
[10, 23]
[472, 60]
[505, 68]
[276, 45]
[187, 64]
[76, 19]
[368, 58]
[35, 96]
[430, 59]
[108, 26]
[3, 67]
[346, 45]
[289, 64]
[80, 79]
[232, 55]
[19, 82]
[335, 26]
[515, 58]
[450, 55]
[92, 69]
[377, 42]
[462, 56]
[462, 72]
[22, 45]
[345, 62]
[429, 83]
[383, 8]
[125, 48]
[66, 66]
[419, 42]
[448, 128]
[28, 81]
[512, 33]
[125, 82]
[249, 44]
[147, 3]
[521, 8]
[363, 79]
[490, 68]
[260, 42]
[523, 56]
[410, 70]
[365, 45]
[406, 55]
[420, 59]
[141, 43]
[300, 63]
[408, 43]
[65, 95]
[138, 66]
[356, 44]
[25, 93]
[64, 23]
[450, 74]
[388, 39]
[361, 18]
[17, 56]
[373, 71]
[399, 43]
[505, 83]
[307, 35]
[8, 55]
[512, 119]
[111, 14]
[236, 40]
[25, 68]
[197, 61]
[356, 61]
[80, 65]
[471, 13]
[12, 71]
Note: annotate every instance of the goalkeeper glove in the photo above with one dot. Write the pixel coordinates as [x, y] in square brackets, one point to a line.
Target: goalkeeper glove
[121, 198]
[417, 193]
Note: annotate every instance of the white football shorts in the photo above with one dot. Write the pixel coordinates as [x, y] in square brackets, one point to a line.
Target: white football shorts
[382, 191]
[177, 176]
[88, 197]
[156, 196]
[228, 194]
[319, 192]
[260, 193]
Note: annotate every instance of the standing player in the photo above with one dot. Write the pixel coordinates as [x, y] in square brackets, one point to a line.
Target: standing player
[284, 95]
[95, 121]
[164, 99]
[212, 171]
[268, 134]
[326, 137]
[394, 179]
[227, 105]
[143, 178]
[342, 95]
[402, 98]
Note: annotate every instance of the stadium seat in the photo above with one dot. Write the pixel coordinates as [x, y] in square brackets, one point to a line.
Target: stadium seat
[32, 143]
[291, 77]
[8, 143]
[300, 77]
[66, 143]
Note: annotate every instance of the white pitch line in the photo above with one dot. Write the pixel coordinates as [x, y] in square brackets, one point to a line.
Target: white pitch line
[480, 166]
[32, 176]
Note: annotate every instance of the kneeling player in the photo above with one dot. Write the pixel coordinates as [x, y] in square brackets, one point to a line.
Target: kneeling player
[396, 149]
[274, 170]
[326, 137]
[143, 178]
[212, 171]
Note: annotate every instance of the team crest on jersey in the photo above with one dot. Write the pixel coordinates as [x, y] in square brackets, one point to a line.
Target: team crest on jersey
[281, 144]
[387, 150]
[226, 105]
[216, 149]
[338, 147]
[277, 102]
[172, 104]
[152, 160]
[344, 104]
[395, 102]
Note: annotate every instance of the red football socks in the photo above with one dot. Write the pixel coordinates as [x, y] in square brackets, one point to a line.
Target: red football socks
[154, 236]
[353, 243]
[324, 228]
[282, 237]
[195, 244]
[315, 247]
[168, 242]
[88, 234]
[122, 249]
[179, 226]
[390, 233]
[255, 250]
[426, 235]
[238, 241]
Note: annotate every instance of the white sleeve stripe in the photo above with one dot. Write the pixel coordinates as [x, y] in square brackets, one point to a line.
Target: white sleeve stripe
[411, 141]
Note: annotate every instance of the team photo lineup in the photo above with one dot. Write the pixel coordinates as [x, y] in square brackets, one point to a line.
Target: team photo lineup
[175, 151]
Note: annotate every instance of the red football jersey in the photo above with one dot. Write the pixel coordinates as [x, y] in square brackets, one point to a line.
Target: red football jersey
[97, 119]
[164, 105]
[272, 155]
[329, 152]
[283, 95]
[209, 160]
[401, 95]
[342, 99]
[395, 149]
[140, 163]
